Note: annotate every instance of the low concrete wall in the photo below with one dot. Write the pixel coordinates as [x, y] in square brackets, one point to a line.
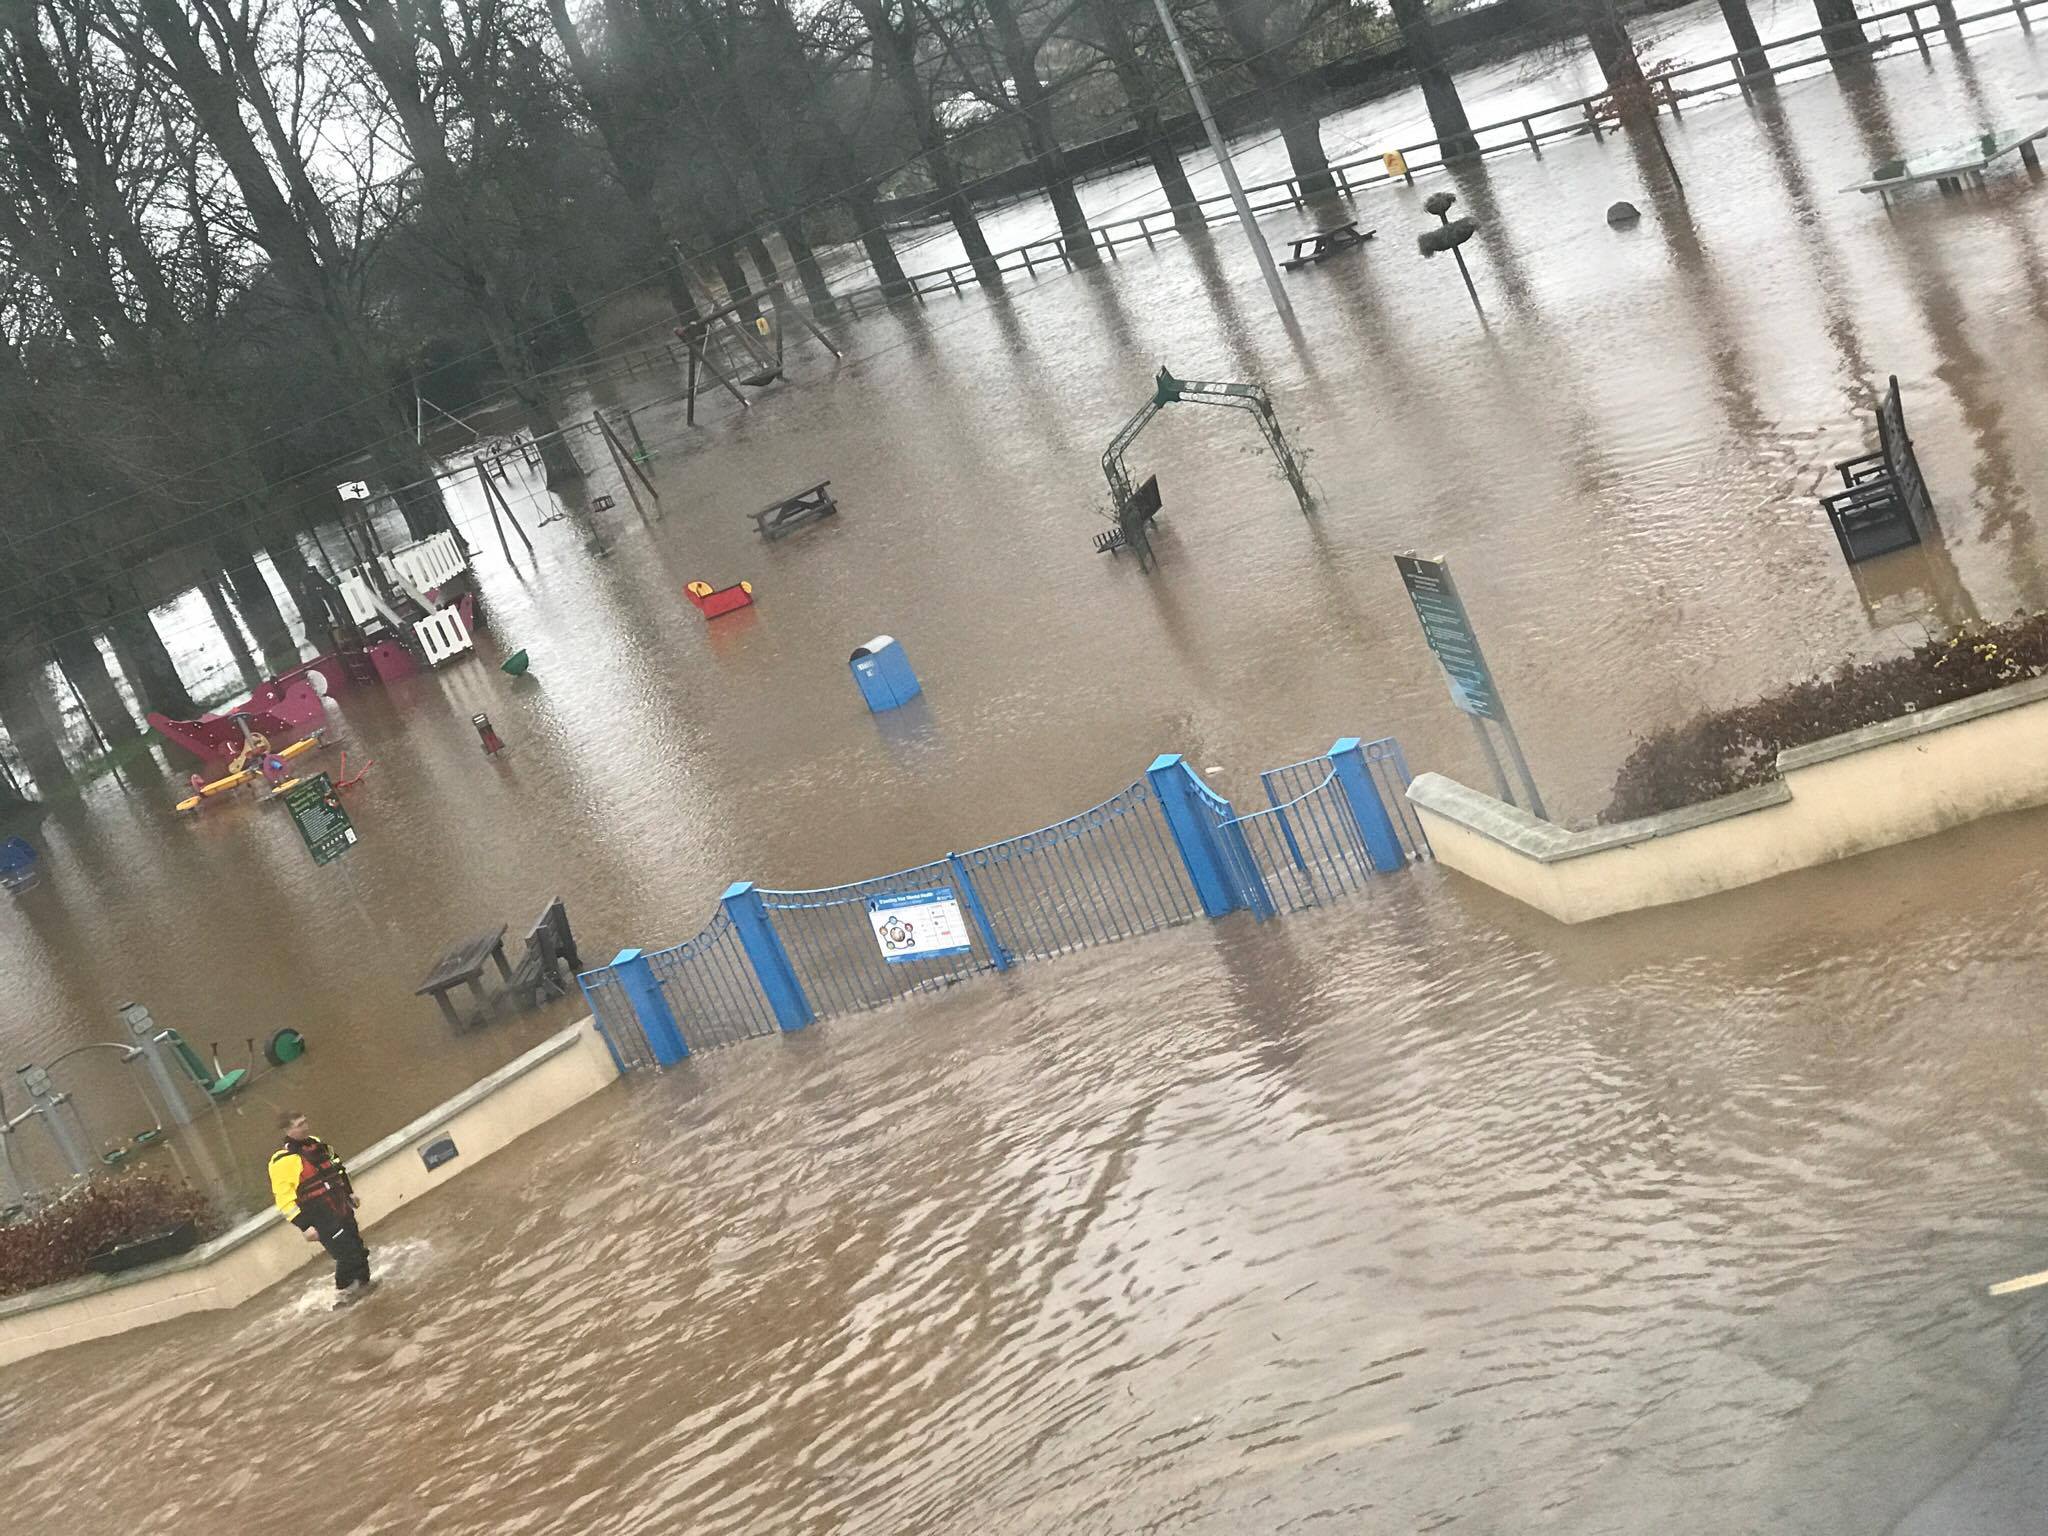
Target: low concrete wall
[1887, 783]
[561, 1071]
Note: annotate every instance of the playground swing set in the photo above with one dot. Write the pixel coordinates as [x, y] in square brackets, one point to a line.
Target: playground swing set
[1136, 506]
[737, 354]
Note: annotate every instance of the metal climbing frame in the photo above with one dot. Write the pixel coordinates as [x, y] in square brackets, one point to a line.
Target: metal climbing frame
[1131, 510]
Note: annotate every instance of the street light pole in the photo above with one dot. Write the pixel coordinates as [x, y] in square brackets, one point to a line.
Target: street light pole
[1237, 198]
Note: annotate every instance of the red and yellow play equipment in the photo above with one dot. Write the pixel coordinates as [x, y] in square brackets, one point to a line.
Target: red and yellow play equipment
[713, 602]
[255, 764]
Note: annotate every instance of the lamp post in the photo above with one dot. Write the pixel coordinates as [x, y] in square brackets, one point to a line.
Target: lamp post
[1250, 225]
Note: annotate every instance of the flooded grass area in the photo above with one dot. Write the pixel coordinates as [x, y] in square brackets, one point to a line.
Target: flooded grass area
[1417, 1213]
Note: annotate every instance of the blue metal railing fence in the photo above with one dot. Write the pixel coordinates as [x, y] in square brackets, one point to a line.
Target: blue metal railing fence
[1160, 852]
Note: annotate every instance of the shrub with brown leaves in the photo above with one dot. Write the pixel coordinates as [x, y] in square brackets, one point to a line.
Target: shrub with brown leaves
[1721, 751]
[55, 1243]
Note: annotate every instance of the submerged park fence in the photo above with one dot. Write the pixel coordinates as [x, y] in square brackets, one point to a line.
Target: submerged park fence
[1162, 851]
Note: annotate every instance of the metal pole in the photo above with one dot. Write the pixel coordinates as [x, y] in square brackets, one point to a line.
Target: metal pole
[143, 1031]
[1500, 776]
[1244, 209]
[1522, 767]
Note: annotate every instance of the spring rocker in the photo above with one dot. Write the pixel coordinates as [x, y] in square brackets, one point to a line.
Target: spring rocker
[1135, 506]
[716, 602]
[254, 766]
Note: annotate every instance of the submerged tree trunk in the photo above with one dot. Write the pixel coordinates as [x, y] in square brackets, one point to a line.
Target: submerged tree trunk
[1750, 58]
[860, 202]
[147, 661]
[29, 716]
[230, 630]
[1439, 90]
[1615, 52]
[256, 601]
[1141, 95]
[1841, 26]
[896, 51]
[1035, 103]
[804, 257]
[86, 666]
[1288, 94]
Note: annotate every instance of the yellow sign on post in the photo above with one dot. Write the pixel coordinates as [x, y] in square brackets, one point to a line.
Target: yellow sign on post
[1395, 165]
[761, 324]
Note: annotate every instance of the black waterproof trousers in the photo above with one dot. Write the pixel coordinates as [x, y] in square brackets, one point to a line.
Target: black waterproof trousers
[343, 1240]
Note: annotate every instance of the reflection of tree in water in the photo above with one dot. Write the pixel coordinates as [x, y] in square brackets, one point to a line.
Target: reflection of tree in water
[1837, 318]
[1703, 295]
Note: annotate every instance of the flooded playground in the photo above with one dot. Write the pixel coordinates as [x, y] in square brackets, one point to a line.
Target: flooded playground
[1416, 1212]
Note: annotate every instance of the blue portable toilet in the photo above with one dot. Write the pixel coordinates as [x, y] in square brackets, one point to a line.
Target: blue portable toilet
[883, 673]
[20, 864]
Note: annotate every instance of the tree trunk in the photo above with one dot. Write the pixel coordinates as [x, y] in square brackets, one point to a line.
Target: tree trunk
[1033, 101]
[1841, 27]
[147, 662]
[636, 178]
[256, 601]
[805, 259]
[726, 262]
[1615, 52]
[897, 53]
[860, 202]
[86, 665]
[231, 631]
[764, 261]
[1439, 90]
[1289, 98]
[1750, 58]
[29, 715]
[293, 569]
[1140, 93]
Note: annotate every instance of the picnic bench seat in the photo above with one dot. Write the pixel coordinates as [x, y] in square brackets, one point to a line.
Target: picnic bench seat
[463, 964]
[549, 947]
[1325, 243]
[1953, 166]
[1883, 504]
[793, 512]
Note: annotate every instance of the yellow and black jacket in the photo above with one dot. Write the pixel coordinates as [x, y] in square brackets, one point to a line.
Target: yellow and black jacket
[308, 1181]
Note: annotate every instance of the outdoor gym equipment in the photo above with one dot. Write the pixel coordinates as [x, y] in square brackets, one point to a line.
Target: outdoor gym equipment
[1136, 506]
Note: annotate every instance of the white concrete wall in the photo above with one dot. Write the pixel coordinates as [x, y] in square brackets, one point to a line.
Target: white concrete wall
[1887, 783]
[560, 1072]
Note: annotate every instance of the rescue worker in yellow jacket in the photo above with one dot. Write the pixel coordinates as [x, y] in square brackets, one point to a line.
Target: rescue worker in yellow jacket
[313, 1191]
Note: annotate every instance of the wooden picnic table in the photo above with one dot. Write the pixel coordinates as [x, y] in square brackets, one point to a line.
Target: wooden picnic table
[463, 965]
[1951, 165]
[1325, 243]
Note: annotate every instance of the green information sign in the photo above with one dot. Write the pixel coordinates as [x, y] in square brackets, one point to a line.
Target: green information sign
[316, 811]
[1448, 628]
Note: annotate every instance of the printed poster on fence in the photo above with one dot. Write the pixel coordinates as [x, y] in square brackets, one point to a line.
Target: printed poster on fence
[918, 925]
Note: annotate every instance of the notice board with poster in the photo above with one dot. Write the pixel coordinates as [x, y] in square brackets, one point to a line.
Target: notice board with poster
[316, 811]
[918, 925]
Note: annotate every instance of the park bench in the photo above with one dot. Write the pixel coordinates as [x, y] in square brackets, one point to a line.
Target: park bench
[794, 512]
[1883, 504]
[549, 947]
[1325, 243]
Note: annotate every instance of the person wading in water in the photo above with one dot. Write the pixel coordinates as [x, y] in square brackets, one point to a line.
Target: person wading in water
[313, 1191]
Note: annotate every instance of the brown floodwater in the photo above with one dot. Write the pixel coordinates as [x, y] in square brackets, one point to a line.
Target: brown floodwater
[1416, 1212]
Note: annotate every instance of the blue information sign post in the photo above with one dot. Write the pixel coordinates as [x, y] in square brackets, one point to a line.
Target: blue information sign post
[1448, 629]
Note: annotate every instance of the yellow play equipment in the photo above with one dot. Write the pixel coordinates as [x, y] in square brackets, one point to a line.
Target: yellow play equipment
[244, 775]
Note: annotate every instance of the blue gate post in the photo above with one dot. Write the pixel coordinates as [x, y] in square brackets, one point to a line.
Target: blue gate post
[765, 953]
[657, 1023]
[996, 953]
[1382, 845]
[1173, 781]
